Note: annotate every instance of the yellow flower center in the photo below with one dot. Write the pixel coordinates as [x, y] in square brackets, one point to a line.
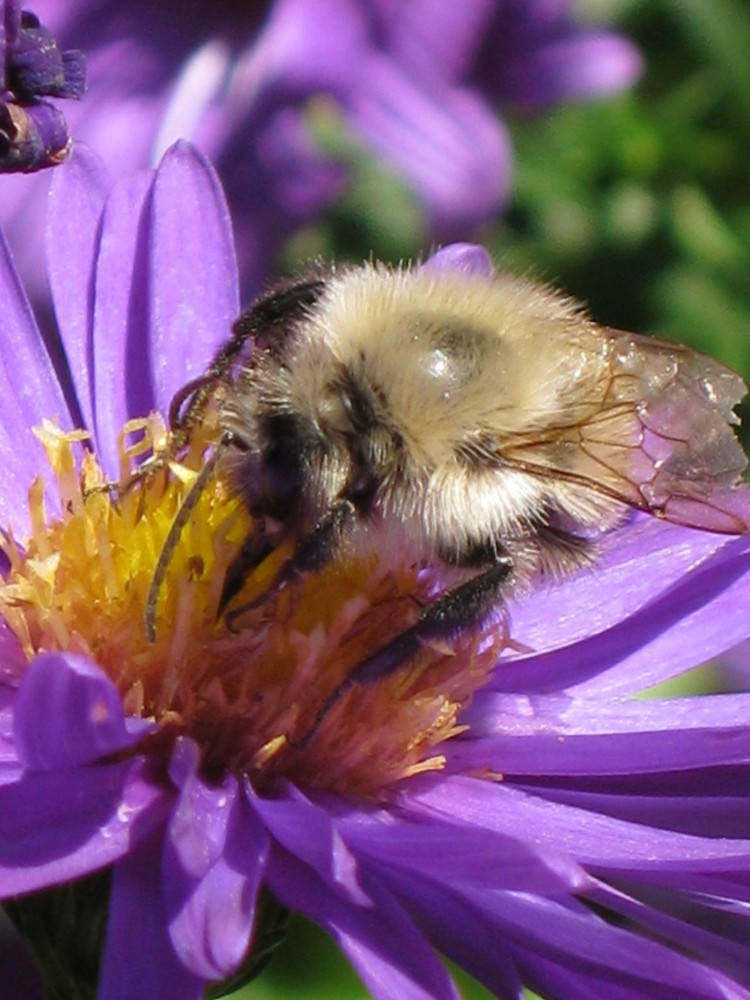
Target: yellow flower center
[249, 694]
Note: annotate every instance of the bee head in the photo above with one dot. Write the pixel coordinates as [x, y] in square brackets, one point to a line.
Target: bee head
[289, 466]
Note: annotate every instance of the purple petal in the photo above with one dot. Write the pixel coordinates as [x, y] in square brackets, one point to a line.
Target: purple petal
[466, 258]
[570, 69]
[82, 712]
[306, 46]
[278, 179]
[472, 856]
[308, 832]
[446, 142]
[699, 926]
[193, 295]
[708, 812]
[597, 841]
[139, 960]
[617, 629]
[165, 292]
[557, 979]
[563, 736]
[462, 932]
[544, 932]
[10, 769]
[214, 859]
[29, 391]
[56, 826]
[535, 53]
[77, 196]
[393, 959]
[438, 39]
[198, 829]
[120, 338]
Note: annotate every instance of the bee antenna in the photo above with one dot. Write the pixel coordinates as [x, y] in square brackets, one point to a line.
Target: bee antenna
[175, 532]
[193, 394]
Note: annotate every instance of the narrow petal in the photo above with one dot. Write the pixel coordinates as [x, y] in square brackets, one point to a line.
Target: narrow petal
[212, 931]
[139, 960]
[494, 713]
[569, 69]
[618, 629]
[438, 39]
[193, 294]
[77, 194]
[445, 141]
[29, 391]
[706, 927]
[393, 959]
[597, 841]
[56, 826]
[565, 935]
[214, 859]
[472, 856]
[558, 735]
[198, 829]
[306, 46]
[307, 831]
[82, 712]
[120, 338]
[462, 932]
[704, 813]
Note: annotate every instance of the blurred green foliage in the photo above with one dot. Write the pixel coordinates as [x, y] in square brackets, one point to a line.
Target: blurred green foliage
[638, 206]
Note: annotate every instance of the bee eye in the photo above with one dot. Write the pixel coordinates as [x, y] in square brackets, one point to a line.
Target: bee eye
[361, 491]
[282, 470]
[282, 464]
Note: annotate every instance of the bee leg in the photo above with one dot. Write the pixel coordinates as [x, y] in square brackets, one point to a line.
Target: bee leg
[312, 553]
[446, 618]
[254, 550]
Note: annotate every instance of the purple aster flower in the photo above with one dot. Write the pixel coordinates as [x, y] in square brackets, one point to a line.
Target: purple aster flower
[418, 83]
[533, 819]
[33, 133]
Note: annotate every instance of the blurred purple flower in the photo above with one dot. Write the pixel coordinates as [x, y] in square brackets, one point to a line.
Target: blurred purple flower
[575, 839]
[33, 133]
[417, 82]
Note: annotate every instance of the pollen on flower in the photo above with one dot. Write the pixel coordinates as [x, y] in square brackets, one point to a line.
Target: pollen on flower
[248, 694]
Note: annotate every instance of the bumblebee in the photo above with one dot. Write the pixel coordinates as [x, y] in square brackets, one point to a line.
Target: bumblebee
[478, 424]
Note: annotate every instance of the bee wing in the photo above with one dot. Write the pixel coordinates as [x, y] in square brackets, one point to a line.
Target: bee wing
[652, 431]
